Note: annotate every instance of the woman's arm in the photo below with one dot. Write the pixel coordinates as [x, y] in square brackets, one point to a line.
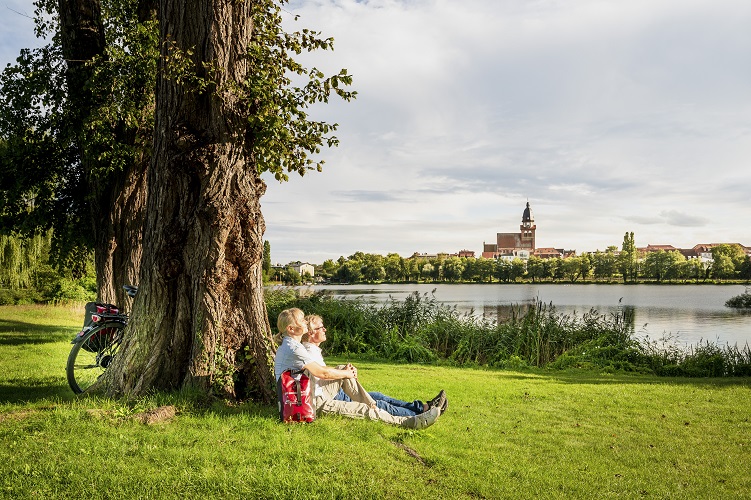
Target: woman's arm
[329, 373]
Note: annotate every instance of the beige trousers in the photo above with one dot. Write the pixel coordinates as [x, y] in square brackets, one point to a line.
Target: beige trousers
[361, 406]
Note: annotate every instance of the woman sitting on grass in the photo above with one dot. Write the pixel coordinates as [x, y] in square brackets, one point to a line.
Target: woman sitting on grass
[325, 389]
[292, 355]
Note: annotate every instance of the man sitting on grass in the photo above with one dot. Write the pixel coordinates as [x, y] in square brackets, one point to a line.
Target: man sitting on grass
[331, 390]
[292, 355]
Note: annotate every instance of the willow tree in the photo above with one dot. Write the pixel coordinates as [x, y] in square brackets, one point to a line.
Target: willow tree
[20, 259]
[226, 111]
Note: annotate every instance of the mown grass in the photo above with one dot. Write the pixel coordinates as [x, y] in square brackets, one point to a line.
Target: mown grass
[507, 434]
[34, 346]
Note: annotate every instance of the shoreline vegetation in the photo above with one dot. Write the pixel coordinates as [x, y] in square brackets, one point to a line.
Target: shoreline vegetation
[728, 263]
[518, 281]
[742, 301]
[419, 329]
[709, 282]
[29, 274]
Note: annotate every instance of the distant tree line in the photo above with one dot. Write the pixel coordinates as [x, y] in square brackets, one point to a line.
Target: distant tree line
[729, 263]
[29, 273]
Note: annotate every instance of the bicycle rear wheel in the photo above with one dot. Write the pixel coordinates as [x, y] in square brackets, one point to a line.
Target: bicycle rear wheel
[91, 355]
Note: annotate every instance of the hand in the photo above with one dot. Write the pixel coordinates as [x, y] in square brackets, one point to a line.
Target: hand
[351, 367]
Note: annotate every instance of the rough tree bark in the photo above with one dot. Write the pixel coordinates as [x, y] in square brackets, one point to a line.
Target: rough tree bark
[118, 215]
[199, 319]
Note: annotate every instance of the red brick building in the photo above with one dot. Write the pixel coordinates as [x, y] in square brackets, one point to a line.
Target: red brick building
[521, 244]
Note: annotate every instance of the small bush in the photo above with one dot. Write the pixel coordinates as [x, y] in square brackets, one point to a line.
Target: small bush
[68, 290]
[19, 297]
[514, 363]
[742, 301]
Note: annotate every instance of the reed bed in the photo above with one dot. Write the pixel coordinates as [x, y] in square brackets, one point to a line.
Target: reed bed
[419, 329]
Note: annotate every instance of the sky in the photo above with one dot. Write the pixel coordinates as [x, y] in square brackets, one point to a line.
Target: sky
[607, 116]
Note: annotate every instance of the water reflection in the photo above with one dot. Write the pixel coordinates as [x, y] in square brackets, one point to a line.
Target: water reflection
[625, 315]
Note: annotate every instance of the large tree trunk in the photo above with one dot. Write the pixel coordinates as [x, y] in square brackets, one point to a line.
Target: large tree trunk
[118, 202]
[199, 319]
[118, 217]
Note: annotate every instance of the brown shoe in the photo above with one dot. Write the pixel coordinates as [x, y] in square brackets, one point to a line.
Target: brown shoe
[440, 401]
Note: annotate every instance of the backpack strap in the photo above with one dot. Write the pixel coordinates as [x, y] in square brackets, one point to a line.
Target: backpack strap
[297, 385]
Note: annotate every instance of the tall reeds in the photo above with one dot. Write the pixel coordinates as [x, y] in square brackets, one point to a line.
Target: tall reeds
[420, 329]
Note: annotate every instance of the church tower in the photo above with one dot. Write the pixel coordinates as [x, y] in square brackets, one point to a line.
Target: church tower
[528, 228]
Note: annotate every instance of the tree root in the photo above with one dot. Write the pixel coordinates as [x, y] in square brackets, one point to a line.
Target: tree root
[156, 416]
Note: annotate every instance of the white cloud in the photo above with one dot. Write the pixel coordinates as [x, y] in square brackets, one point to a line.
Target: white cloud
[608, 116]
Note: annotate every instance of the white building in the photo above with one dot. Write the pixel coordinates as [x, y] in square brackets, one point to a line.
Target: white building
[303, 268]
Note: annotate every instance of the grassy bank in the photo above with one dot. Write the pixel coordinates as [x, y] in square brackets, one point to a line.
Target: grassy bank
[507, 434]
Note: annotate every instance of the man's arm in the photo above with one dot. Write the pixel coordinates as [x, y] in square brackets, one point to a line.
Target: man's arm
[329, 373]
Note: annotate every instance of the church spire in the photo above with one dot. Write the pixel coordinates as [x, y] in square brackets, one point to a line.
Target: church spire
[527, 215]
[528, 228]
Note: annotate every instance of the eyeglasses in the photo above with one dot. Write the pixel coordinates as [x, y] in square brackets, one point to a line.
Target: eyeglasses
[319, 328]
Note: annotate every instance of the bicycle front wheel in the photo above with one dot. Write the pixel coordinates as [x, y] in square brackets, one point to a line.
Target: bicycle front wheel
[91, 355]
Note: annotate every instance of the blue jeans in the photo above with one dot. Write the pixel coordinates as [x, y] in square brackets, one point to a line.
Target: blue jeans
[393, 406]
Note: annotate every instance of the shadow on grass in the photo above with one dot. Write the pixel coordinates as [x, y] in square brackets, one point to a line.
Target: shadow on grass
[576, 376]
[29, 394]
[13, 333]
[595, 378]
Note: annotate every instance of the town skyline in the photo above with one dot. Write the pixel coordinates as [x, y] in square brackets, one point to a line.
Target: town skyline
[522, 244]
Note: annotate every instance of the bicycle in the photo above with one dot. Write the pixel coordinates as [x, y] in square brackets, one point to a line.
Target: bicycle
[95, 346]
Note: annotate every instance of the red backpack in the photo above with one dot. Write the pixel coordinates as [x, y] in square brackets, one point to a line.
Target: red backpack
[293, 396]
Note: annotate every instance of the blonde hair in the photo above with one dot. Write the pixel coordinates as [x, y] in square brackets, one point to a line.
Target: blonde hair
[309, 320]
[292, 316]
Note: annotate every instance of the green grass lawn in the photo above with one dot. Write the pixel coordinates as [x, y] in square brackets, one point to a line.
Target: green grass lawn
[534, 434]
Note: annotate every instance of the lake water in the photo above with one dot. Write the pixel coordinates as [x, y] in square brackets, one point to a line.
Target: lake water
[688, 314]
